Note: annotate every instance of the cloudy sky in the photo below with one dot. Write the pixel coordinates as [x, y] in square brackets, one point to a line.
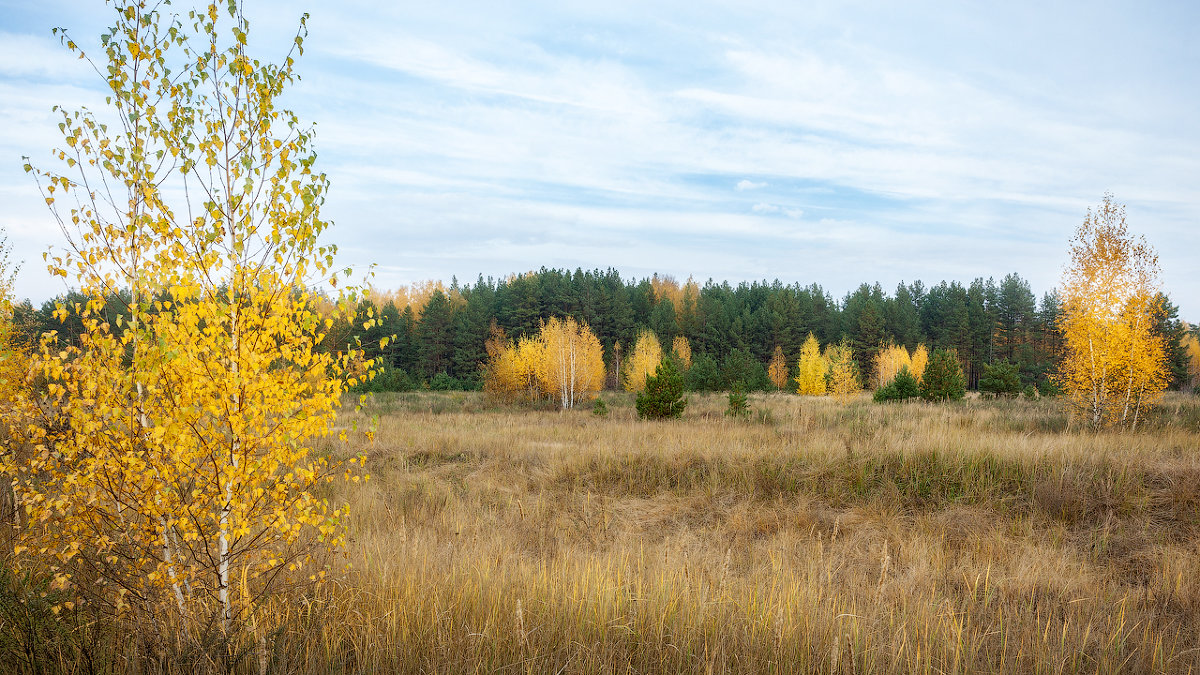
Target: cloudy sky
[828, 142]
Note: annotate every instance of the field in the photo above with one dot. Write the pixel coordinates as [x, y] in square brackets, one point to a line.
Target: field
[986, 536]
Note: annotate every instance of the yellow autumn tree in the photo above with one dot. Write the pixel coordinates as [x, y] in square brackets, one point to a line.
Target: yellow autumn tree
[843, 372]
[1191, 347]
[642, 362]
[777, 370]
[682, 350]
[1114, 364]
[572, 363]
[174, 486]
[888, 361]
[811, 369]
[512, 369]
[920, 359]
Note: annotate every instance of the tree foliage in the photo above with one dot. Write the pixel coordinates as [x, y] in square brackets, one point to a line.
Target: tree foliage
[901, 387]
[1001, 379]
[572, 366]
[844, 380]
[943, 379]
[681, 349]
[662, 396]
[811, 369]
[1115, 364]
[174, 483]
[920, 358]
[777, 370]
[642, 361]
[889, 361]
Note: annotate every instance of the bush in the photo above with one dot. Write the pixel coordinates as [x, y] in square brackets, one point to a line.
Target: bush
[1049, 388]
[902, 387]
[663, 396]
[943, 379]
[443, 382]
[388, 378]
[1001, 379]
[739, 406]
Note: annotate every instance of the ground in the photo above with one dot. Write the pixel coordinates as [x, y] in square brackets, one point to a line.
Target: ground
[812, 537]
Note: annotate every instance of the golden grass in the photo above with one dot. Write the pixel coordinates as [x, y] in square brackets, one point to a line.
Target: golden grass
[987, 536]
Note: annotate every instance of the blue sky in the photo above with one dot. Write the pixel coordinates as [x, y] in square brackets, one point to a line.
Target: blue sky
[835, 143]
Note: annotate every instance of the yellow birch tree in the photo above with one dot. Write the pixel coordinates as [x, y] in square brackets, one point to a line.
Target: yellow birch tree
[1114, 364]
[643, 361]
[920, 359]
[174, 482]
[811, 369]
[682, 350]
[843, 373]
[1191, 347]
[777, 370]
[888, 362]
[572, 363]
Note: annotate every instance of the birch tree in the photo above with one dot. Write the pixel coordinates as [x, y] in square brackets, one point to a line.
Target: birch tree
[572, 364]
[1114, 364]
[174, 481]
[643, 361]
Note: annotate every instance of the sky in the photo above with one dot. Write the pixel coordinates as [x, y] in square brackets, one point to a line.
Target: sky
[813, 142]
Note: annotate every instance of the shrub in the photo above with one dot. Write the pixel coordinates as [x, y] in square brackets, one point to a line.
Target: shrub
[903, 386]
[739, 406]
[662, 397]
[943, 380]
[443, 382]
[1000, 378]
[387, 378]
[1049, 388]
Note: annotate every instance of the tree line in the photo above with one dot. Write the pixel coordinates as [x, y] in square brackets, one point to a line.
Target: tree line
[735, 333]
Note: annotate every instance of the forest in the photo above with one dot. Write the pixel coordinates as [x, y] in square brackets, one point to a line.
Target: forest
[440, 331]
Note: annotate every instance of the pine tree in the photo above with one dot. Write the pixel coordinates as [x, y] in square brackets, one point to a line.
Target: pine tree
[662, 397]
[943, 379]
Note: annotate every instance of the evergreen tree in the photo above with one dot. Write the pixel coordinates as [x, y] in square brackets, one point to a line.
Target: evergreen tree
[663, 396]
[943, 379]
[1000, 379]
[703, 375]
[902, 387]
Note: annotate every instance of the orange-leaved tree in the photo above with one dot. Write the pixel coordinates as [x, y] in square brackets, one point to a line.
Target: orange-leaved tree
[176, 485]
[777, 370]
[642, 361]
[1114, 363]
[682, 350]
[811, 369]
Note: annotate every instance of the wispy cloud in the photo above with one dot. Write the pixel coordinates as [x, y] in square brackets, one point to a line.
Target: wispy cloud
[928, 142]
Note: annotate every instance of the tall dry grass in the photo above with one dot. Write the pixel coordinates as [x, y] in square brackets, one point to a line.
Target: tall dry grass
[986, 536]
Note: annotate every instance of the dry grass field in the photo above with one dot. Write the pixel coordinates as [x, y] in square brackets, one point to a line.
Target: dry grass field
[985, 536]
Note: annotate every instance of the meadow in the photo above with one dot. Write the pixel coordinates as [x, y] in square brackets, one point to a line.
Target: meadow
[981, 536]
